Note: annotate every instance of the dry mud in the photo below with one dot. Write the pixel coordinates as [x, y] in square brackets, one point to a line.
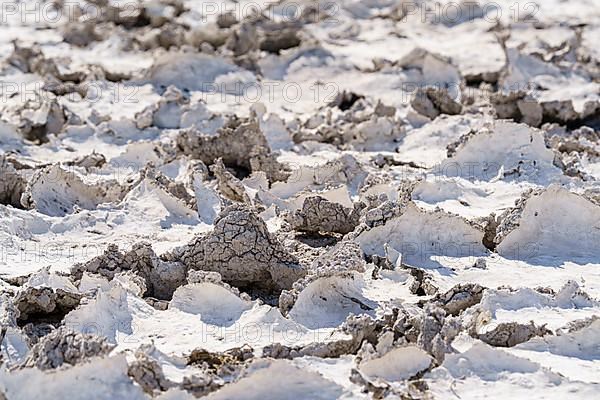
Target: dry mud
[390, 199]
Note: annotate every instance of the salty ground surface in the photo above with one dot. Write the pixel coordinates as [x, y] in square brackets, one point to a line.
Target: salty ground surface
[300, 200]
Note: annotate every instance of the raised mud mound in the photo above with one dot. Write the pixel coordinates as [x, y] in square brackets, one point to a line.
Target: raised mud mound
[242, 251]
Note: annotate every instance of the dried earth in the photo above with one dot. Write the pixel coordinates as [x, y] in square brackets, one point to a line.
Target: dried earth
[388, 199]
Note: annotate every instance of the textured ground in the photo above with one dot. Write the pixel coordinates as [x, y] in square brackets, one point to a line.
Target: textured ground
[299, 200]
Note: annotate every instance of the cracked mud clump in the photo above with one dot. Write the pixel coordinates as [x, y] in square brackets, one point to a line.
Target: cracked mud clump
[242, 250]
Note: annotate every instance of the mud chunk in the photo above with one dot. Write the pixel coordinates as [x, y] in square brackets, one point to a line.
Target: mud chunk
[229, 185]
[518, 106]
[208, 37]
[430, 326]
[345, 100]
[560, 111]
[41, 119]
[431, 102]
[201, 384]
[321, 215]
[65, 346]
[145, 118]
[423, 283]
[22, 56]
[243, 39]
[222, 363]
[279, 38]
[12, 184]
[531, 112]
[32, 301]
[127, 15]
[89, 161]
[509, 220]
[431, 329]
[80, 33]
[31, 59]
[217, 368]
[177, 189]
[147, 372]
[262, 159]
[344, 256]
[359, 327]
[161, 277]
[490, 225]
[460, 297]
[579, 324]
[382, 213]
[226, 20]
[384, 111]
[505, 103]
[160, 12]
[509, 334]
[233, 143]
[242, 250]
[107, 264]
[166, 113]
[8, 312]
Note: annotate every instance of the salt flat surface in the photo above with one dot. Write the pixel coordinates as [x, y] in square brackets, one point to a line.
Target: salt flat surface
[299, 199]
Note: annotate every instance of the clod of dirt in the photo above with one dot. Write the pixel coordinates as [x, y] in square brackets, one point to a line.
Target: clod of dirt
[518, 106]
[242, 250]
[226, 20]
[459, 298]
[233, 144]
[243, 39]
[352, 122]
[344, 256]
[359, 327]
[44, 302]
[177, 189]
[262, 159]
[382, 213]
[147, 372]
[201, 384]
[32, 60]
[431, 329]
[89, 161]
[422, 284]
[41, 119]
[222, 363]
[8, 311]
[166, 113]
[12, 184]
[431, 102]
[321, 215]
[64, 346]
[80, 34]
[490, 226]
[229, 186]
[279, 38]
[578, 325]
[509, 334]
[345, 100]
[161, 277]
